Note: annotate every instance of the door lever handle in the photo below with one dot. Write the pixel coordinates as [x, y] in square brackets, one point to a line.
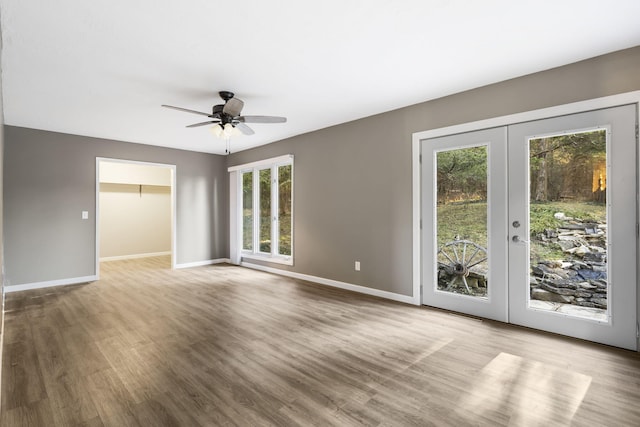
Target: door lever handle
[517, 239]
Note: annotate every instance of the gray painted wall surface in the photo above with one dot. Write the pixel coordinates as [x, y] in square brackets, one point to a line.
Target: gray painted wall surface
[1, 202]
[352, 184]
[49, 178]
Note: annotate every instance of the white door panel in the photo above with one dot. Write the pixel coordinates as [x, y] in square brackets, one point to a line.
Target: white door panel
[613, 320]
[456, 275]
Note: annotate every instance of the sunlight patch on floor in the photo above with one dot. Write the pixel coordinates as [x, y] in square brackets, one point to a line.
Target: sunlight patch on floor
[533, 393]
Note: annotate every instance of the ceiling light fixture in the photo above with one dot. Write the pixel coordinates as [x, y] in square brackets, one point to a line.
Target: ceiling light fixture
[225, 131]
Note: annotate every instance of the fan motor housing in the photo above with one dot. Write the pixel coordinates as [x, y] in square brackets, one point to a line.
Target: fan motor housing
[218, 112]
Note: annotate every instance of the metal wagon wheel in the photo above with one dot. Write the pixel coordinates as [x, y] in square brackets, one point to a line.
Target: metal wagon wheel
[458, 257]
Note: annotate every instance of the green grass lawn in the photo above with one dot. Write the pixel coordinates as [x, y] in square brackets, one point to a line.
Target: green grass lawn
[468, 221]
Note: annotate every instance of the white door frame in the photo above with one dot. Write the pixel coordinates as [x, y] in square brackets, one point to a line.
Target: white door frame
[174, 253]
[544, 113]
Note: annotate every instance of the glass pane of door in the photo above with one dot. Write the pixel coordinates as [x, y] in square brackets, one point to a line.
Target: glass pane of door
[568, 224]
[461, 221]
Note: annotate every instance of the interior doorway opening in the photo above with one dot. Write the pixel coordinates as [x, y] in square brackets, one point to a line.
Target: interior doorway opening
[135, 211]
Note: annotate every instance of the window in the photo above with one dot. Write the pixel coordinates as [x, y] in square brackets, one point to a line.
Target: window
[247, 211]
[265, 197]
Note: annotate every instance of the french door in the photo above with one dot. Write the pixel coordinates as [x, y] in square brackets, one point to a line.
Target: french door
[535, 224]
[464, 194]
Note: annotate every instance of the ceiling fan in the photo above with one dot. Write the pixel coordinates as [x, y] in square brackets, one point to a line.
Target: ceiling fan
[227, 116]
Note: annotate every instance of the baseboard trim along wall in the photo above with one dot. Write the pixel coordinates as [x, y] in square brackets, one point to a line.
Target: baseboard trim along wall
[87, 279]
[320, 280]
[201, 263]
[50, 283]
[334, 283]
[134, 256]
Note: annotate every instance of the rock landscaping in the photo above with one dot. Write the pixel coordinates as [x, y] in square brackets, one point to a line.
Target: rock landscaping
[580, 277]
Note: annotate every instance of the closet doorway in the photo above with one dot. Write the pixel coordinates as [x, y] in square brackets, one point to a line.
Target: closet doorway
[135, 206]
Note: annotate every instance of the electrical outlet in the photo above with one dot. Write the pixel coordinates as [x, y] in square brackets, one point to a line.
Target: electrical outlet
[357, 265]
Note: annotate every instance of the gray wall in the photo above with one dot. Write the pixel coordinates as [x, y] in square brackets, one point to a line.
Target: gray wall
[352, 184]
[49, 178]
[1, 201]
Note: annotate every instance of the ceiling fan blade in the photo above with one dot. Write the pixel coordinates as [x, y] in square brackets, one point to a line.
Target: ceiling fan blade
[246, 130]
[204, 123]
[261, 119]
[187, 110]
[233, 107]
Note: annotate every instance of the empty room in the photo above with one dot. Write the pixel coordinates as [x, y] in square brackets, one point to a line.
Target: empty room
[419, 213]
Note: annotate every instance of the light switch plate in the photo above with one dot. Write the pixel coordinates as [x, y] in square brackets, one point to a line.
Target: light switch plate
[85, 214]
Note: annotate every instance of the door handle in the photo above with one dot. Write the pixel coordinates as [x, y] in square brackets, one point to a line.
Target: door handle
[517, 239]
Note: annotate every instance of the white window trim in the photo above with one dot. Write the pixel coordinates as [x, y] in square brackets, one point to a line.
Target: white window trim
[260, 164]
[236, 220]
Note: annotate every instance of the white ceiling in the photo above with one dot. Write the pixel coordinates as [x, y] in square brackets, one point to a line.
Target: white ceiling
[103, 67]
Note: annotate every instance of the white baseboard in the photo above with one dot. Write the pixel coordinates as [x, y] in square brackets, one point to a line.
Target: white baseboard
[334, 283]
[50, 283]
[201, 263]
[134, 256]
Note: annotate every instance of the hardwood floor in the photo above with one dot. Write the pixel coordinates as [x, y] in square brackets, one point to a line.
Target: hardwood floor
[223, 345]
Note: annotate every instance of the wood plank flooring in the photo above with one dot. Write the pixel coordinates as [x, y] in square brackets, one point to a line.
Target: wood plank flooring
[223, 345]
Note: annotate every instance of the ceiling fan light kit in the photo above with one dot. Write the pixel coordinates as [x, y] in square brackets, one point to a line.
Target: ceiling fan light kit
[226, 118]
[225, 131]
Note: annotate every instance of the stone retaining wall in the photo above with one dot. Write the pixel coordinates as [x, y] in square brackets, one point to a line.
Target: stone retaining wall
[580, 278]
